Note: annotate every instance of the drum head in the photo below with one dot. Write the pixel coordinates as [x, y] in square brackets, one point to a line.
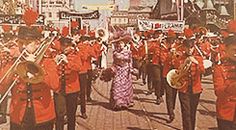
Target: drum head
[207, 64]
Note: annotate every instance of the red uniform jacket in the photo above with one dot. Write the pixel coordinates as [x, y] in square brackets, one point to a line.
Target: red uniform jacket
[42, 100]
[195, 72]
[165, 60]
[141, 51]
[224, 79]
[134, 50]
[217, 53]
[87, 52]
[71, 72]
[179, 57]
[205, 48]
[97, 49]
[154, 49]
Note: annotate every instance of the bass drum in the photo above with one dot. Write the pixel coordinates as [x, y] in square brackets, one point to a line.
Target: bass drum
[208, 67]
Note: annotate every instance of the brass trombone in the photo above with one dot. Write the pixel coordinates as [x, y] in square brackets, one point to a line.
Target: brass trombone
[26, 67]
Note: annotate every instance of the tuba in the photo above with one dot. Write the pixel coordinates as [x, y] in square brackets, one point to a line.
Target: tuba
[26, 67]
[175, 76]
[102, 33]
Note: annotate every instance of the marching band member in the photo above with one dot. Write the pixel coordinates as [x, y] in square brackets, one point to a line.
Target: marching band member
[155, 66]
[7, 55]
[143, 53]
[216, 53]
[170, 51]
[68, 64]
[32, 106]
[94, 53]
[224, 77]
[150, 47]
[87, 52]
[98, 51]
[190, 91]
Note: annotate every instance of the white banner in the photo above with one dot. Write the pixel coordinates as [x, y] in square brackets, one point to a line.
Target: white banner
[164, 25]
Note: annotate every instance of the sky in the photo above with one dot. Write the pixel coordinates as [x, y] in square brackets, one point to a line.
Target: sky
[123, 4]
[79, 3]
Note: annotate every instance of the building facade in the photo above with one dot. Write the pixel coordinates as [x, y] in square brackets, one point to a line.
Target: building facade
[51, 8]
[119, 18]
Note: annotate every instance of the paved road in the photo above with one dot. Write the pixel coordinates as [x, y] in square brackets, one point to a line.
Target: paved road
[145, 115]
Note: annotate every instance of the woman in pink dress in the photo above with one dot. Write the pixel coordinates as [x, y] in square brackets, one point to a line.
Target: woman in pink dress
[121, 91]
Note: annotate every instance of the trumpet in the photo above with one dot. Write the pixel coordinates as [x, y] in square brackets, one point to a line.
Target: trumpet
[26, 67]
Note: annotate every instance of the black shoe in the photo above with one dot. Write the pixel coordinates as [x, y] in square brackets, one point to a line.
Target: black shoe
[89, 99]
[117, 108]
[84, 116]
[171, 118]
[159, 101]
[144, 82]
[124, 107]
[148, 92]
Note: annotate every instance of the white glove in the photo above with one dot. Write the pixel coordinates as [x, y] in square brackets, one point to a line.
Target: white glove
[31, 58]
[29, 75]
[59, 58]
[64, 58]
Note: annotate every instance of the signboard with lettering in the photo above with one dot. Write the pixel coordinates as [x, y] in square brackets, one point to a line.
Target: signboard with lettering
[164, 25]
[17, 19]
[67, 15]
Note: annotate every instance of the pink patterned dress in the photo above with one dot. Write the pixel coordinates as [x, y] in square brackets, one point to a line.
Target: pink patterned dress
[122, 90]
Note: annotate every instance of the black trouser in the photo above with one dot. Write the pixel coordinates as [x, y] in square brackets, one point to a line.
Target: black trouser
[71, 107]
[44, 126]
[89, 84]
[135, 63]
[189, 103]
[156, 79]
[150, 77]
[3, 109]
[28, 122]
[170, 97]
[143, 71]
[225, 125]
[83, 79]
[162, 82]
